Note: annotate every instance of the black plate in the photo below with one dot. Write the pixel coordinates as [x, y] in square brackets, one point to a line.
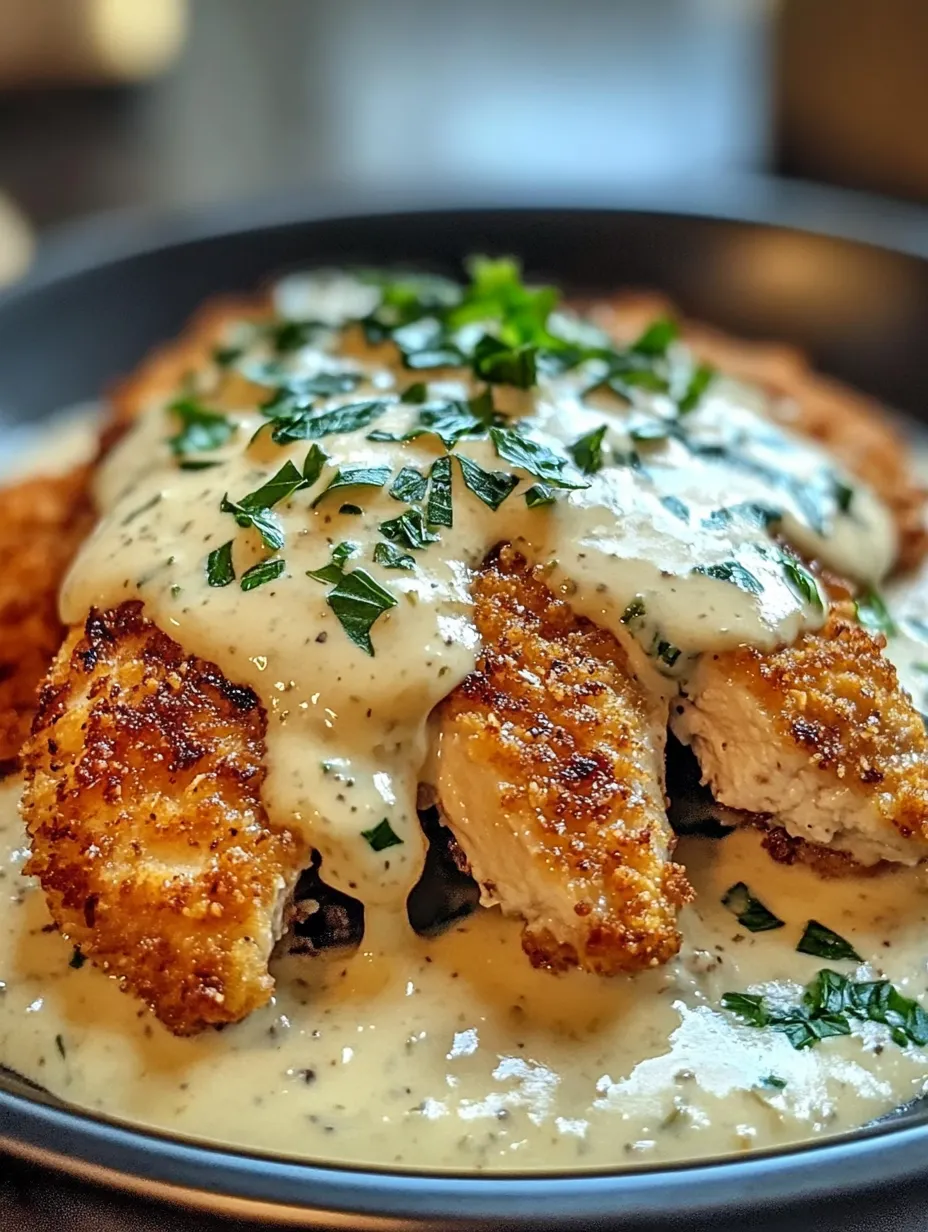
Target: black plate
[103, 295]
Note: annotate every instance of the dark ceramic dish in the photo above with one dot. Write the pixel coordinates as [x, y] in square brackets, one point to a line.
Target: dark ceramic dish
[859, 304]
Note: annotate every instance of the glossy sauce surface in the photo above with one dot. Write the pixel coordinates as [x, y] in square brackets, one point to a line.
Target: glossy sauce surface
[453, 1052]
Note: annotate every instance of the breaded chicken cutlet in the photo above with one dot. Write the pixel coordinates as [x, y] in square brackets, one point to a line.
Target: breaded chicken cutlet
[145, 765]
[143, 807]
[551, 762]
[42, 524]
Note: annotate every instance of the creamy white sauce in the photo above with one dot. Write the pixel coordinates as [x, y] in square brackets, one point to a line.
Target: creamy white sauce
[347, 737]
[454, 1052]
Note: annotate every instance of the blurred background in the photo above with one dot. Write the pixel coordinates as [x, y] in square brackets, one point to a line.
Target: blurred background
[165, 103]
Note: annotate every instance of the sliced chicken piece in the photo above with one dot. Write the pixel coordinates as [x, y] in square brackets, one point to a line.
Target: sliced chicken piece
[142, 802]
[819, 737]
[42, 523]
[551, 778]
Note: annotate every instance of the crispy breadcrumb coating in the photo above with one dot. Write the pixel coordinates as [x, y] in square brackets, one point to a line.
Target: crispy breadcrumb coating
[820, 736]
[143, 806]
[551, 769]
[42, 523]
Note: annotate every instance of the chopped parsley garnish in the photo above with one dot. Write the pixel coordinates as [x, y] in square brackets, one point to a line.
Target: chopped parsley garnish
[294, 394]
[492, 487]
[634, 611]
[201, 429]
[656, 338]
[409, 485]
[649, 431]
[381, 836]
[874, 615]
[264, 571]
[225, 356]
[193, 464]
[535, 458]
[666, 651]
[391, 557]
[76, 960]
[539, 494]
[829, 1004]
[314, 464]
[674, 505]
[749, 911]
[416, 393]
[821, 942]
[278, 488]
[733, 572]
[219, 567]
[312, 426]
[772, 1082]
[699, 382]
[358, 600]
[498, 363]
[261, 520]
[354, 477]
[438, 509]
[801, 582]
[587, 450]
[289, 335]
[409, 530]
[333, 571]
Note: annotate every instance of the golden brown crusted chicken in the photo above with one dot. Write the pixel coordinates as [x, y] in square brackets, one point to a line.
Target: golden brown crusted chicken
[550, 776]
[42, 523]
[819, 737]
[143, 806]
[145, 767]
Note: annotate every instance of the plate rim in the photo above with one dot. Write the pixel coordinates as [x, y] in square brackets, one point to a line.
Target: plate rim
[215, 1177]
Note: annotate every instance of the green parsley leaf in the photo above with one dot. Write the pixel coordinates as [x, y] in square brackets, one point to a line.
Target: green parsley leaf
[416, 393]
[676, 506]
[533, 457]
[200, 430]
[539, 494]
[634, 611]
[409, 485]
[656, 338]
[358, 600]
[288, 335]
[587, 450]
[874, 615]
[314, 426]
[748, 1006]
[354, 477]
[500, 364]
[314, 464]
[699, 382]
[195, 465]
[821, 942]
[261, 520]
[219, 568]
[264, 571]
[749, 911]
[278, 488]
[772, 1082]
[225, 356]
[666, 651]
[409, 530]
[295, 393]
[438, 510]
[336, 566]
[390, 556]
[77, 959]
[492, 487]
[735, 573]
[801, 582]
[381, 836]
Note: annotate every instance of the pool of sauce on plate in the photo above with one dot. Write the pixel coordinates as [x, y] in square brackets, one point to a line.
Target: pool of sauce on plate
[453, 1052]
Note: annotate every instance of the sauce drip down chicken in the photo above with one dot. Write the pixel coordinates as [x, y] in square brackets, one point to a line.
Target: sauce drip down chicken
[383, 535]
